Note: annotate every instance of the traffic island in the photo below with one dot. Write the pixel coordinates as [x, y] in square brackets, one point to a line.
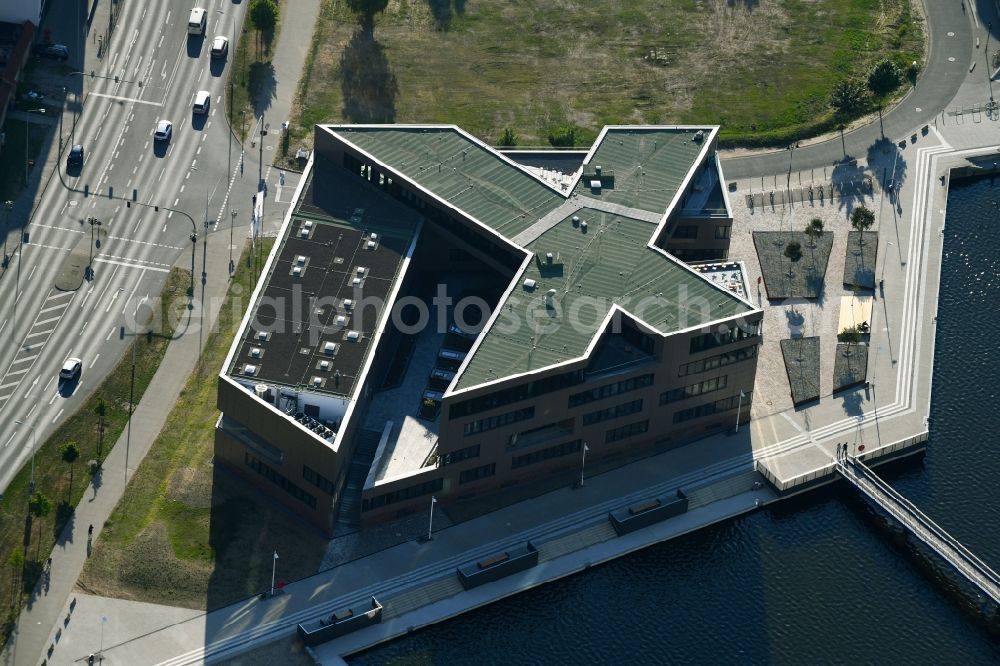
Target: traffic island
[801, 357]
[784, 278]
[859, 262]
[850, 368]
[79, 263]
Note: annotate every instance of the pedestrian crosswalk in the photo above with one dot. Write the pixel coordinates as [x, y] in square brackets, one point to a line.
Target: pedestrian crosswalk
[46, 321]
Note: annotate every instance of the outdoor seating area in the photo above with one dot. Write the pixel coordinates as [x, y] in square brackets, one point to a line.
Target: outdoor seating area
[340, 622]
[648, 512]
[498, 565]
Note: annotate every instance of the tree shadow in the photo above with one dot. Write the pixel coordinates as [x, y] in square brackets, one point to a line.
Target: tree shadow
[263, 86]
[65, 515]
[885, 158]
[848, 183]
[795, 321]
[444, 10]
[851, 402]
[367, 82]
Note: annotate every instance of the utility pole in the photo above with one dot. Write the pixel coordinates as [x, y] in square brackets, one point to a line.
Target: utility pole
[8, 206]
[131, 392]
[260, 165]
[430, 521]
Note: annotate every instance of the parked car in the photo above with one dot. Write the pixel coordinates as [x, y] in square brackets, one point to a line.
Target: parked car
[71, 369]
[220, 46]
[57, 51]
[202, 101]
[164, 130]
[75, 157]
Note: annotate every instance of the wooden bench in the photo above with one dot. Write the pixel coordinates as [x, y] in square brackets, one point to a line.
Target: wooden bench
[495, 559]
[642, 507]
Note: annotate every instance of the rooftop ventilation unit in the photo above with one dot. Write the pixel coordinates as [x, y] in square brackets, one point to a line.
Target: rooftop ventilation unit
[348, 304]
[330, 348]
[296, 270]
[256, 352]
[576, 220]
[699, 136]
[548, 257]
[300, 260]
[308, 224]
[595, 184]
[529, 284]
[316, 381]
[262, 336]
[583, 227]
[260, 390]
[361, 270]
[373, 236]
[303, 232]
[550, 298]
[354, 336]
[370, 245]
[356, 282]
[597, 169]
[249, 370]
[324, 366]
[341, 321]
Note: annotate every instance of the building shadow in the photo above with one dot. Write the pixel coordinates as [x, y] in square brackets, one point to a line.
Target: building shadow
[368, 84]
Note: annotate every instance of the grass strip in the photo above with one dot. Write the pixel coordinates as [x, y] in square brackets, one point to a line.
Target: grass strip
[185, 532]
[23, 566]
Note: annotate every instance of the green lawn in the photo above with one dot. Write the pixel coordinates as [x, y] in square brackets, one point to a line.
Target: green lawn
[763, 70]
[186, 533]
[52, 475]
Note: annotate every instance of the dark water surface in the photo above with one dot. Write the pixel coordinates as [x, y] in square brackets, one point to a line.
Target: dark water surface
[811, 580]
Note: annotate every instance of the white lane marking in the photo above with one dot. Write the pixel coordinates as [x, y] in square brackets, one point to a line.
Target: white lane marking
[4, 325]
[32, 272]
[159, 44]
[93, 362]
[50, 226]
[110, 333]
[45, 321]
[48, 384]
[10, 440]
[131, 265]
[53, 399]
[60, 412]
[198, 151]
[84, 328]
[31, 388]
[176, 200]
[119, 98]
[182, 190]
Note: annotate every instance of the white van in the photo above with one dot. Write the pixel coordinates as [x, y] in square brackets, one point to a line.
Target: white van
[202, 101]
[197, 21]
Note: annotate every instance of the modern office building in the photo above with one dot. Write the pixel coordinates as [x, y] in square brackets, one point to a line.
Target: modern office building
[438, 318]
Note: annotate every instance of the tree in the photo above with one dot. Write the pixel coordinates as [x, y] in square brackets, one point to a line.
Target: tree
[850, 335]
[264, 17]
[862, 219]
[848, 98]
[39, 506]
[814, 230]
[16, 562]
[368, 8]
[507, 138]
[793, 252]
[70, 452]
[563, 137]
[883, 78]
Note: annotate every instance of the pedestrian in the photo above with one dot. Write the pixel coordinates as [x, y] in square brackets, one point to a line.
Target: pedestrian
[90, 530]
[48, 565]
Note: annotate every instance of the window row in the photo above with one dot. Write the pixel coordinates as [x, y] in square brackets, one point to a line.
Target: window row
[718, 361]
[477, 473]
[279, 480]
[417, 490]
[623, 409]
[711, 408]
[719, 338]
[318, 480]
[556, 451]
[608, 390]
[515, 394]
[707, 386]
[498, 421]
[625, 431]
[460, 455]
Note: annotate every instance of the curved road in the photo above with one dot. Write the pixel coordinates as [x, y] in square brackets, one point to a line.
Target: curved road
[951, 35]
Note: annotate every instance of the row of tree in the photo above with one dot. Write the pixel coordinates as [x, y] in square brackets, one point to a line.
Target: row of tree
[862, 219]
[851, 97]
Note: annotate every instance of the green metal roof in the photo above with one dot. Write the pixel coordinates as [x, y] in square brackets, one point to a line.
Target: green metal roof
[463, 172]
[592, 270]
[649, 165]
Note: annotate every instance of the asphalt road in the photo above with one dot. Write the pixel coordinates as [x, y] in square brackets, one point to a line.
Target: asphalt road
[41, 325]
[952, 49]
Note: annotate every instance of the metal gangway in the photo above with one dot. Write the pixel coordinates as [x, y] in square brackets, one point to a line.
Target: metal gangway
[917, 523]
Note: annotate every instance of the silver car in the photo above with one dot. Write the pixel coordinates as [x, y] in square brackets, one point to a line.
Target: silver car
[164, 130]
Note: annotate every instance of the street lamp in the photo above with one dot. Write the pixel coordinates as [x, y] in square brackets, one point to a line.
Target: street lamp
[93, 222]
[232, 224]
[583, 462]
[27, 131]
[8, 206]
[131, 392]
[430, 521]
[31, 482]
[881, 278]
